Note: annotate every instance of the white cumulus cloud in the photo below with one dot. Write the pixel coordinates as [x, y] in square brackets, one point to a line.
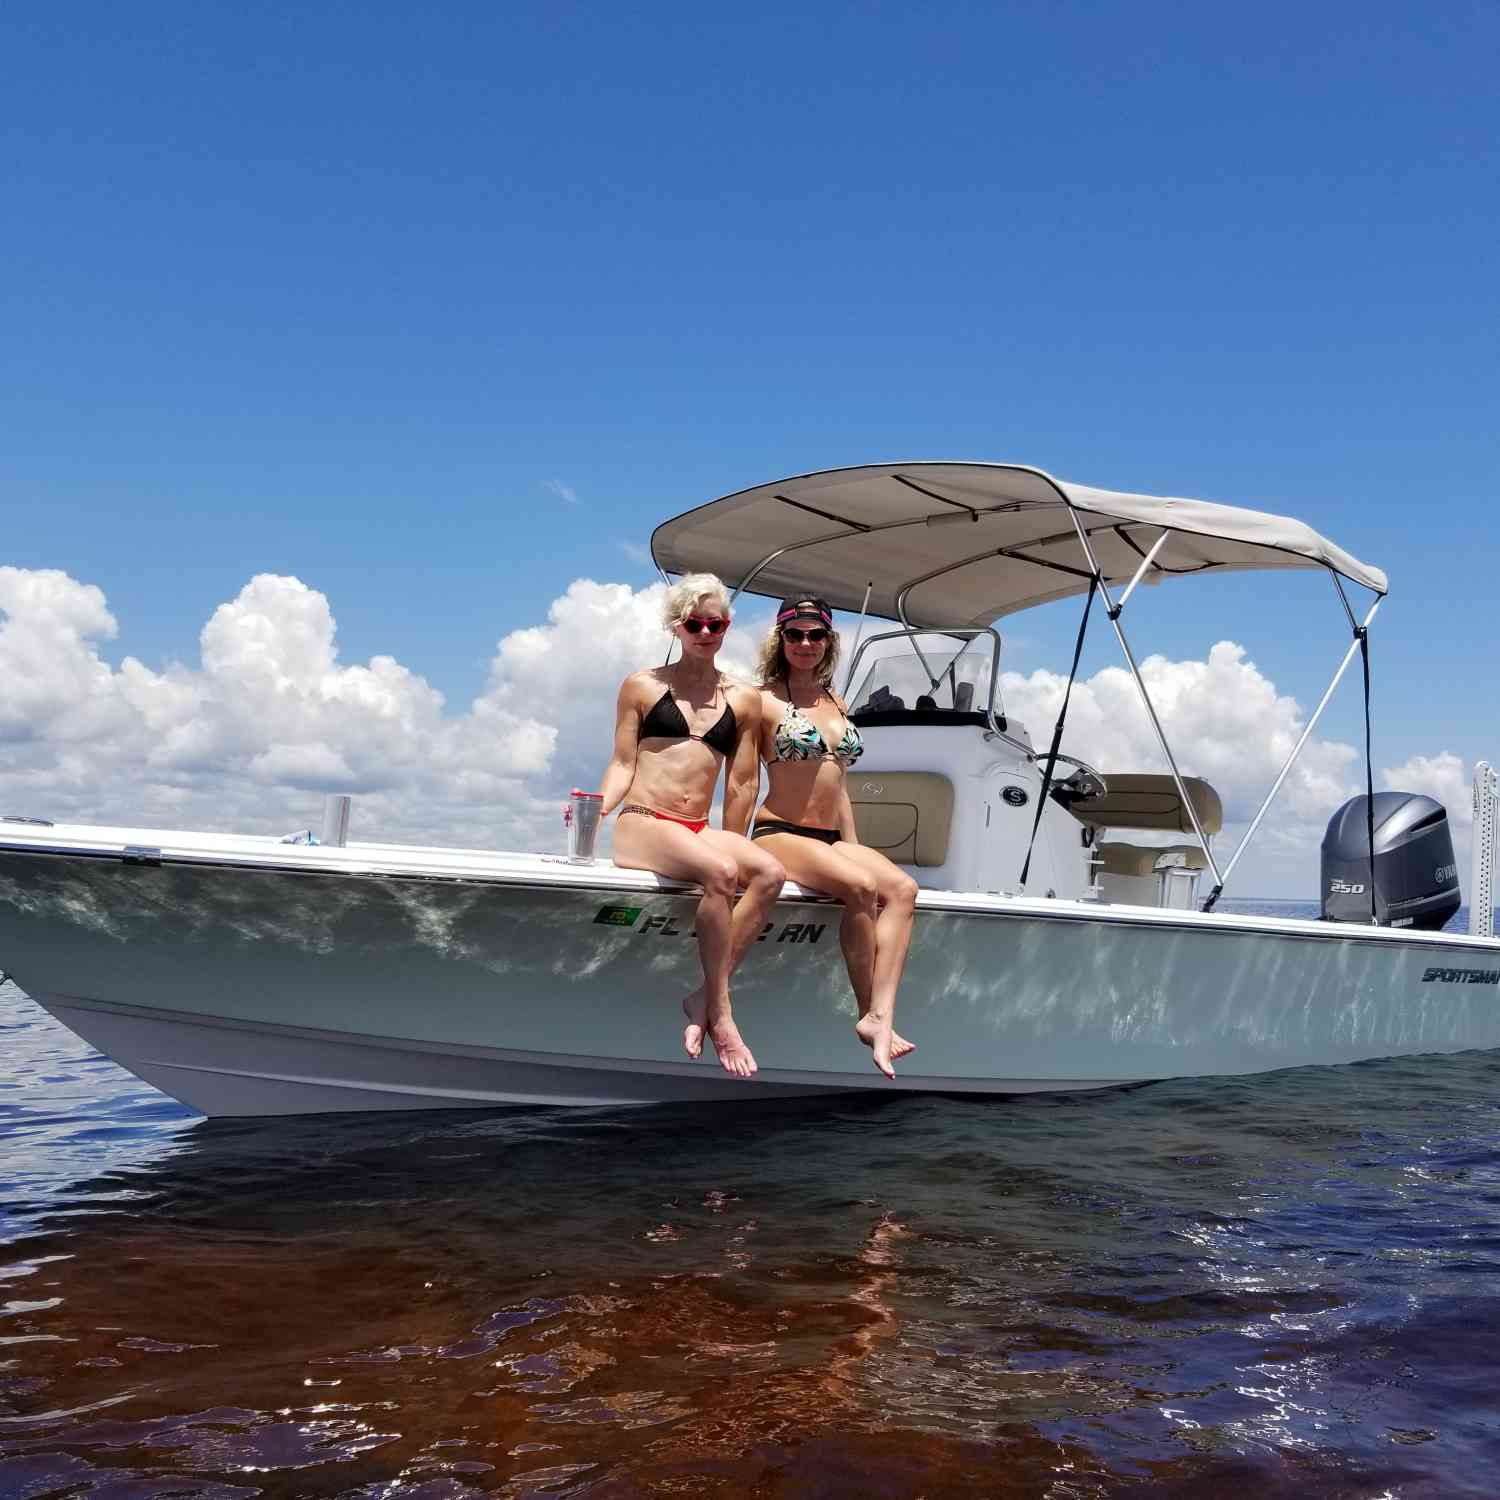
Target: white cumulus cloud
[1443, 776]
[1225, 721]
[56, 685]
[270, 718]
[1449, 780]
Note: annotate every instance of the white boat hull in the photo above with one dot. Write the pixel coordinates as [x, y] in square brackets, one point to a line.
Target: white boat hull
[243, 977]
[235, 1068]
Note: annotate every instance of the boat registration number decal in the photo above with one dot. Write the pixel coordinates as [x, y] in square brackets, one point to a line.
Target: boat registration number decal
[615, 915]
[1462, 976]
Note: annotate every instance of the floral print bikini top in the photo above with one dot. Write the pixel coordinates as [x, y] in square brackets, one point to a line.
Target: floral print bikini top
[798, 738]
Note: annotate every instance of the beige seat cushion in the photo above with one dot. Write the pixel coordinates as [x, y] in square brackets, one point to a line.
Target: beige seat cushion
[1140, 801]
[907, 815]
[1141, 859]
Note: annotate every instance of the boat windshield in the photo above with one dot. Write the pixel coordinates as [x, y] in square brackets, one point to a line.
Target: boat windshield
[926, 674]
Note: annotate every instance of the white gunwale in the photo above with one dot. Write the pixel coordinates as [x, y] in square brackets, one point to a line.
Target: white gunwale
[555, 871]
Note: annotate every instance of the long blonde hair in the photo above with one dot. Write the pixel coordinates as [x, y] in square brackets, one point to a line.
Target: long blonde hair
[772, 666]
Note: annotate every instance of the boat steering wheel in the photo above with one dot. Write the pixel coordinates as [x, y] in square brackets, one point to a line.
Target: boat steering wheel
[1085, 780]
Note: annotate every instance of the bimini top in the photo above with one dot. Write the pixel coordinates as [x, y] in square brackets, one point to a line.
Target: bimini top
[961, 544]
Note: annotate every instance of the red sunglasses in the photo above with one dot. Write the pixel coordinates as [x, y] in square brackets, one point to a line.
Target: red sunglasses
[817, 635]
[714, 627]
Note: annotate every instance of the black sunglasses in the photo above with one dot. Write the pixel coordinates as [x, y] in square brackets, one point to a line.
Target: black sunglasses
[817, 635]
[714, 627]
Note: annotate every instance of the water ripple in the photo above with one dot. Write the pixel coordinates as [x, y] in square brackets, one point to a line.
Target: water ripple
[1282, 1284]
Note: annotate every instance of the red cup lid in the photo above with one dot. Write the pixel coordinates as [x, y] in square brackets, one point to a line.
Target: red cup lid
[597, 796]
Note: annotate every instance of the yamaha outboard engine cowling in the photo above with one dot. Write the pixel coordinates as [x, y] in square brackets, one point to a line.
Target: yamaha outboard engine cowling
[1416, 876]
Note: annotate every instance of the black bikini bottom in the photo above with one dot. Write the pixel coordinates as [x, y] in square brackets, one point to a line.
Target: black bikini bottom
[823, 835]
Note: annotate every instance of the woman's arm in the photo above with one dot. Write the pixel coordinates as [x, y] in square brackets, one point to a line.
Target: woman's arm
[620, 771]
[847, 830]
[742, 775]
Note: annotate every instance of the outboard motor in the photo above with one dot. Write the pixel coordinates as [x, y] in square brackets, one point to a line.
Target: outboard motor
[1416, 875]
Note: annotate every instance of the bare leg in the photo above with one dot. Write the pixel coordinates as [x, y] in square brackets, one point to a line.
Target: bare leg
[861, 941]
[861, 950]
[643, 843]
[715, 926]
[745, 927]
[823, 867]
[857, 939]
[762, 876]
[893, 927]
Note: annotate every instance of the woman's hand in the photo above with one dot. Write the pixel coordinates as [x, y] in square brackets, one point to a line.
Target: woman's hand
[742, 774]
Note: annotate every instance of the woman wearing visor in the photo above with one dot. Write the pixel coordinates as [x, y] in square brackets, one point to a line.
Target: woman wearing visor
[675, 727]
[808, 745]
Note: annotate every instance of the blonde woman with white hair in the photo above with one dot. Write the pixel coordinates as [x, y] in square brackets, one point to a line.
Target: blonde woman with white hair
[675, 728]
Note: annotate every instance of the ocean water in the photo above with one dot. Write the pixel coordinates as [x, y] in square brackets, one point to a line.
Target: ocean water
[1284, 1284]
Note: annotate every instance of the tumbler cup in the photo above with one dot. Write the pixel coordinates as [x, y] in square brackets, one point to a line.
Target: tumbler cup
[336, 820]
[582, 816]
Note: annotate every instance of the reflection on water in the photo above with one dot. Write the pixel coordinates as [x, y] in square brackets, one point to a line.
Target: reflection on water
[1281, 1284]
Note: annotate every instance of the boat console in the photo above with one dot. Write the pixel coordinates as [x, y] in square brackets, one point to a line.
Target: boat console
[949, 784]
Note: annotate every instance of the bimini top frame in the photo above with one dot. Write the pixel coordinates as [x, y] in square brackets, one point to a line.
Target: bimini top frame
[950, 545]
[943, 544]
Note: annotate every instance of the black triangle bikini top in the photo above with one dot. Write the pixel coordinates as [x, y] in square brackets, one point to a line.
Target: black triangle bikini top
[665, 722]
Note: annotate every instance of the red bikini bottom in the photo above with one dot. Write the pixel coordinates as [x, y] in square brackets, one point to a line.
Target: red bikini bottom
[693, 825]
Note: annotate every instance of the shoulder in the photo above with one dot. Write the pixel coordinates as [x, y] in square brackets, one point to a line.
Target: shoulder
[838, 702]
[639, 686]
[742, 697]
[767, 696]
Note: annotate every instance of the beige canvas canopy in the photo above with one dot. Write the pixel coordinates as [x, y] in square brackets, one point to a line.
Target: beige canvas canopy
[961, 544]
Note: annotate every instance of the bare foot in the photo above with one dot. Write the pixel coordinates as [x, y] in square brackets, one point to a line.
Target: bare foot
[695, 1008]
[734, 1055]
[900, 1046]
[876, 1035]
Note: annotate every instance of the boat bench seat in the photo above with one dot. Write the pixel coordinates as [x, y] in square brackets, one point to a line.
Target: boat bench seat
[1151, 802]
[907, 815]
[1141, 859]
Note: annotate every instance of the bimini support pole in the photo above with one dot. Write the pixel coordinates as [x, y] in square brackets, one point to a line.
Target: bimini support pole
[1482, 886]
[1362, 640]
[911, 640]
[1364, 656]
[1281, 775]
[1057, 732]
[1113, 611]
[854, 649]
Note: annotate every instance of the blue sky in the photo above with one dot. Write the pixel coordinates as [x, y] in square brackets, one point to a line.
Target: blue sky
[362, 293]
